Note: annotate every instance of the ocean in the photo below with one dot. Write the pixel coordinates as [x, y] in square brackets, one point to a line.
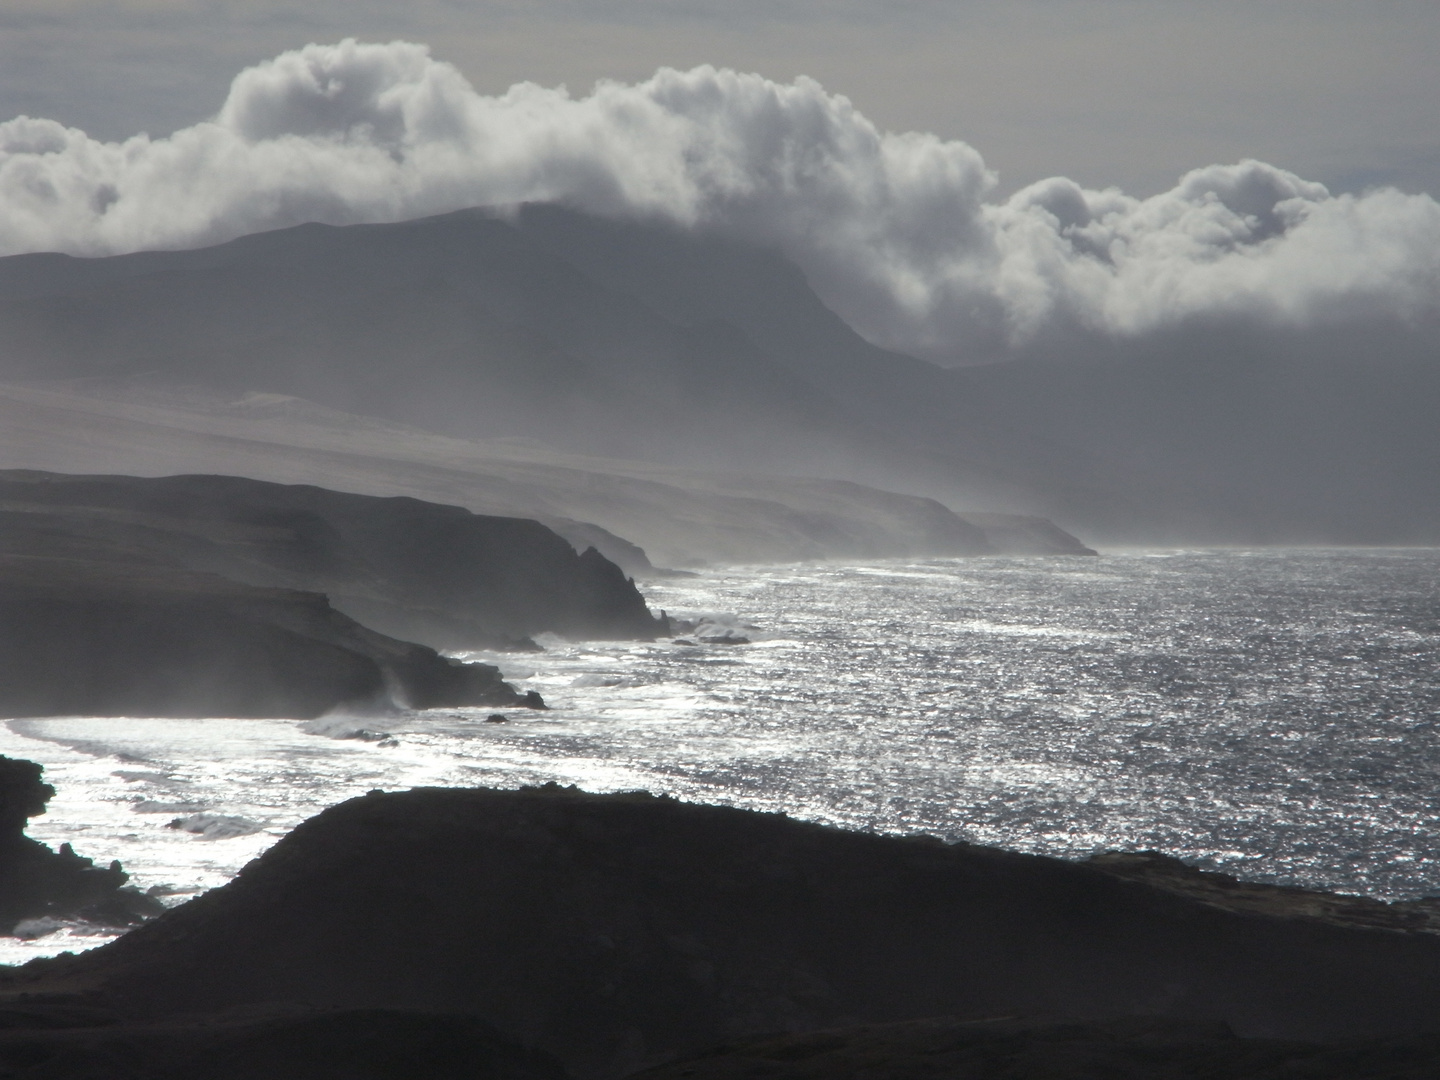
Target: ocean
[1271, 713]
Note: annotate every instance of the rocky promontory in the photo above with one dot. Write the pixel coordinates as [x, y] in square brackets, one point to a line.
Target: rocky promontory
[415, 570]
[1025, 534]
[82, 637]
[37, 882]
[617, 932]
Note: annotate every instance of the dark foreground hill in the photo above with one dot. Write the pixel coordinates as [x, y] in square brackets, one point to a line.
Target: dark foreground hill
[619, 931]
[43, 1041]
[1019, 1048]
[410, 569]
[62, 1041]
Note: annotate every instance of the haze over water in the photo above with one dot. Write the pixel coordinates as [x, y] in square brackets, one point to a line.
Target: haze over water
[1272, 713]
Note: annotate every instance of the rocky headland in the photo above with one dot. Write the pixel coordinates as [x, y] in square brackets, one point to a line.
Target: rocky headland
[115, 638]
[632, 511]
[415, 570]
[618, 932]
[1025, 534]
[38, 883]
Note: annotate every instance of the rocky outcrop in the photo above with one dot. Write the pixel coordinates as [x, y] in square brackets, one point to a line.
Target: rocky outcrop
[37, 882]
[620, 931]
[130, 639]
[411, 569]
[583, 536]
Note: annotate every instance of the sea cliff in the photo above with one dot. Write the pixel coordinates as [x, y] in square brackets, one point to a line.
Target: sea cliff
[92, 638]
[416, 570]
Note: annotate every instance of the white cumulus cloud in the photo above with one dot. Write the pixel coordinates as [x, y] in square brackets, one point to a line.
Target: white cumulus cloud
[899, 232]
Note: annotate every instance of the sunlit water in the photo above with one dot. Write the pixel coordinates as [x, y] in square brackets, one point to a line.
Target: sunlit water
[1273, 713]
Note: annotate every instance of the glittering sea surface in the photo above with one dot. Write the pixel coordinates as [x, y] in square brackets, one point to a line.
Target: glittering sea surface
[1272, 713]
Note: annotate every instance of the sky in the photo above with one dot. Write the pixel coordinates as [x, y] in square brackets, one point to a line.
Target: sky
[1131, 93]
[956, 180]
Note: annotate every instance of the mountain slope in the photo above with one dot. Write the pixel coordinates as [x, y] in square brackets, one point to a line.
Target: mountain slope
[646, 342]
[457, 324]
[682, 517]
[1222, 432]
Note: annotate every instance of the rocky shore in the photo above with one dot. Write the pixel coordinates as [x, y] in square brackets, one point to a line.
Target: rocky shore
[38, 883]
[620, 932]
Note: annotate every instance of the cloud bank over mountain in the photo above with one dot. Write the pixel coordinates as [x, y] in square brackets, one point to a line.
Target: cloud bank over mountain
[898, 232]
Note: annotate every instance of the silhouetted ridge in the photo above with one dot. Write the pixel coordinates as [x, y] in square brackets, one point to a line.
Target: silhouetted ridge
[616, 931]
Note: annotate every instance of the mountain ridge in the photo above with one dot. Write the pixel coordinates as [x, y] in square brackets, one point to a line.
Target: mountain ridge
[646, 341]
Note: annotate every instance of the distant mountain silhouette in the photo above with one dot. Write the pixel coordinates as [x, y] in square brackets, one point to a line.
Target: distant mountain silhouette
[1219, 432]
[644, 341]
[458, 324]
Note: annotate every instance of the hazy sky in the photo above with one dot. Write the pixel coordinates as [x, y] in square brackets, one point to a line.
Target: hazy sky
[1106, 92]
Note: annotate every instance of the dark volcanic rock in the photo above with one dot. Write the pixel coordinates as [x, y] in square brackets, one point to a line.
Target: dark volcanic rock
[1013, 1048]
[118, 639]
[36, 882]
[619, 931]
[642, 340]
[67, 1043]
[411, 569]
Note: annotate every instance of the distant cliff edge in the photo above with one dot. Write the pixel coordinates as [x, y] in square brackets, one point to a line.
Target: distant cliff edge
[415, 570]
[673, 516]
